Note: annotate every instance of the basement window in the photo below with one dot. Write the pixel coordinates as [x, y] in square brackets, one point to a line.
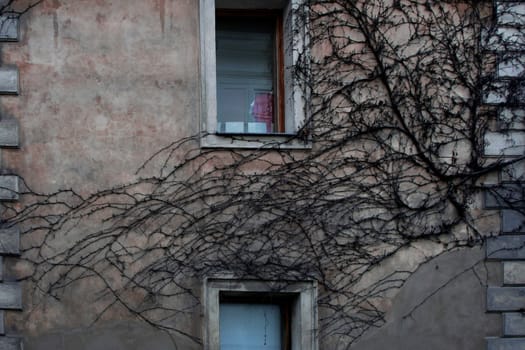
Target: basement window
[262, 315]
[250, 98]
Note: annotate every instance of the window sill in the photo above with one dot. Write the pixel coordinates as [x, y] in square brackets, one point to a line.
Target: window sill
[255, 141]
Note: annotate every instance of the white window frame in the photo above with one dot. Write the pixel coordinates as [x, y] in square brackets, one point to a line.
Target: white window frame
[304, 307]
[295, 94]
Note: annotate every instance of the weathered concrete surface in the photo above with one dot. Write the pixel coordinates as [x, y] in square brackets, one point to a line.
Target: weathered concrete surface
[436, 307]
[451, 313]
[110, 336]
[104, 84]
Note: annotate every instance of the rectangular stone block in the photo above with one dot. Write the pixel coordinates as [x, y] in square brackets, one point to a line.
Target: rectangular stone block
[10, 343]
[506, 247]
[511, 66]
[505, 343]
[512, 221]
[511, 13]
[510, 195]
[10, 296]
[509, 143]
[505, 39]
[9, 28]
[9, 133]
[2, 327]
[505, 298]
[496, 93]
[514, 272]
[511, 118]
[10, 241]
[513, 173]
[8, 187]
[9, 80]
[514, 324]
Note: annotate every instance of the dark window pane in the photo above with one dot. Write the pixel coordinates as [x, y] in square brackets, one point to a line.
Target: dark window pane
[245, 74]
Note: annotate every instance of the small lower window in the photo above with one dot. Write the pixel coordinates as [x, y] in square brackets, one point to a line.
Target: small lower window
[262, 315]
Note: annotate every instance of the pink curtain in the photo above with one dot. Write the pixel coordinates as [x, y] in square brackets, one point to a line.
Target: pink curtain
[263, 109]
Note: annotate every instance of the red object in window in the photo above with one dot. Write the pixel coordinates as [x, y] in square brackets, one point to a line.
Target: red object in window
[263, 109]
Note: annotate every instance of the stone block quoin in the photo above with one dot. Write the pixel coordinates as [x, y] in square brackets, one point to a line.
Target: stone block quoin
[506, 93]
[514, 272]
[506, 344]
[9, 28]
[10, 291]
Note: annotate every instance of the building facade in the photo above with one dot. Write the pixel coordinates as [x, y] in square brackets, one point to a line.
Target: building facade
[318, 174]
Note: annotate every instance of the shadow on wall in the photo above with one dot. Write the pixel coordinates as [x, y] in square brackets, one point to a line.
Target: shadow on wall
[441, 306]
[110, 336]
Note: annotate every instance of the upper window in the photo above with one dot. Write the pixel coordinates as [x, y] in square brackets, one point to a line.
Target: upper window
[249, 95]
[249, 72]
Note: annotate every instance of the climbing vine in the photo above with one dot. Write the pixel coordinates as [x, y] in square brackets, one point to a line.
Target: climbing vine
[393, 162]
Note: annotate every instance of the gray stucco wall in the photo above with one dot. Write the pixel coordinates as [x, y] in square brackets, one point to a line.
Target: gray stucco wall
[105, 84]
[118, 335]
[441, 306]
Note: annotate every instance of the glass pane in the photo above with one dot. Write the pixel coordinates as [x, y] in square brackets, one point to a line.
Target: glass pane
[245, 74]
[250, 326]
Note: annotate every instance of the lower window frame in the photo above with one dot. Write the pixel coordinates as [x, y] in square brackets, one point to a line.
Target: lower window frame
[301, 296]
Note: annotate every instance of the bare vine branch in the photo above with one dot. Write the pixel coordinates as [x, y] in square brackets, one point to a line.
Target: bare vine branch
[397, 119]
